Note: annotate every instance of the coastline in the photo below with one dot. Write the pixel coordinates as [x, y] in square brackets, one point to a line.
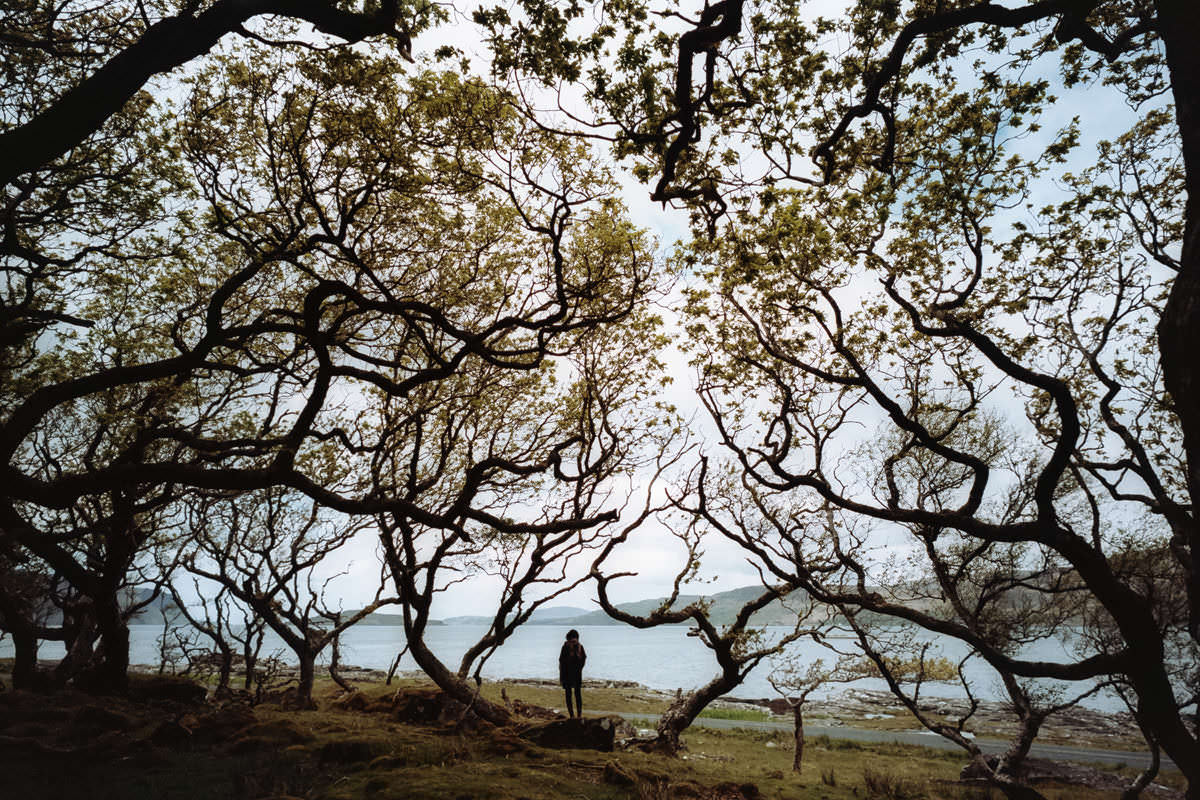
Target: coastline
[863, 709]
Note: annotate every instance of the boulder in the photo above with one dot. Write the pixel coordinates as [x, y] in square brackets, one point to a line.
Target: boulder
[591, 733]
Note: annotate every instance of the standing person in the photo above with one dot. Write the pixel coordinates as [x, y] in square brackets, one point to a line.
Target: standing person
[571, 659]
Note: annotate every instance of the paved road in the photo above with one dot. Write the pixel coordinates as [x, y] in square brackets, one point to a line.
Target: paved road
[1050, 752]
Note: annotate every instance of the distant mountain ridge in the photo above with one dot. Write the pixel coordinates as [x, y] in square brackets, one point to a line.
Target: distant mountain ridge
[553, 615]
[723, 609]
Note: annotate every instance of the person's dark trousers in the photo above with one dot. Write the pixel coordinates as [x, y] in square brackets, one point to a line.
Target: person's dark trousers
[578, 708]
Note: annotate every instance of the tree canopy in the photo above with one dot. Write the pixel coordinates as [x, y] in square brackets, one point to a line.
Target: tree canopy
[941, 294]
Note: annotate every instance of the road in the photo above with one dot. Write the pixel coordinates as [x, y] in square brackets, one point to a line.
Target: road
[1050, 752]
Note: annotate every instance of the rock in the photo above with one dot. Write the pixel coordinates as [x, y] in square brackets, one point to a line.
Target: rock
[974, 770]
[251, 744]
[625, 729]
[591, 733]
[1037, 770]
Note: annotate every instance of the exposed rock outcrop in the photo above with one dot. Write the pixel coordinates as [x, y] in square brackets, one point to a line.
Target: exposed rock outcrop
[590, 733]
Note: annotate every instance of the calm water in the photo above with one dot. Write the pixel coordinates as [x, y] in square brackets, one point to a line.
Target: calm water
[662, 658]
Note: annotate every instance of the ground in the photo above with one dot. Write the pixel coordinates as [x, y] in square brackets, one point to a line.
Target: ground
[158, 745]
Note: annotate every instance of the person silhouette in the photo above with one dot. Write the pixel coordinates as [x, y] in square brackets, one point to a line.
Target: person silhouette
[571, 659]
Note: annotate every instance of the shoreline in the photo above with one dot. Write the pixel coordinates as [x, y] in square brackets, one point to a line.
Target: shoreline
[850, 707]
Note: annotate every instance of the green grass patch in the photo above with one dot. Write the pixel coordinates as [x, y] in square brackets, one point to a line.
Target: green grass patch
[736, 714]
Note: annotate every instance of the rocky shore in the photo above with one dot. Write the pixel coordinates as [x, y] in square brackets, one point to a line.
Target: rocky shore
[1077, 726]
[855, 708]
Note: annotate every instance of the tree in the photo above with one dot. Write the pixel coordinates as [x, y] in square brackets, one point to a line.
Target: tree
[225, 275]
[738, 646]
[886, 241]
[24, 612]
[233, 628]
[265, 550]
[79, 65]
[548, 471]
[95, 578]
[795, 684]
[986, 300]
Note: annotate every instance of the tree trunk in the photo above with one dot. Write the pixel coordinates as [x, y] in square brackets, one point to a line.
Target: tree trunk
[249, 663]
[1146, 776]
[455, 686]
[79, 636]
[225, 671]
[684, 711]
[983, 768]
[1010, 763]
[25, 650]
[798, 719]
[1179, 27]
[111, 674]
[308, 673]
[1178, 331]
[334, 658]
[395, 665]
[25, 642]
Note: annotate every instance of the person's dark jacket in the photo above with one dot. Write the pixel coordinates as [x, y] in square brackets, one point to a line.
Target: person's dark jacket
[571, 659]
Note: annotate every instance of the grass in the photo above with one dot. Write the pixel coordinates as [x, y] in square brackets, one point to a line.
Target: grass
[333, 754]
[736, 714]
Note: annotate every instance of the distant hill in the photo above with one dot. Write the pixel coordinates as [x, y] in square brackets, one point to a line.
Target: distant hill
[723, 608]
[552, 615]
[153, 608]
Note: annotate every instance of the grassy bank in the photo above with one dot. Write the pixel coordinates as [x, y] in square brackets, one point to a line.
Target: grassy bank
[74, 746]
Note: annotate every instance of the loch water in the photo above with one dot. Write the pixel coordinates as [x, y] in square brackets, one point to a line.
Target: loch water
[664, 658]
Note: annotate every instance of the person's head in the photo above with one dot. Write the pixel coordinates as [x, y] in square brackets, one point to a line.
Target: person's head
[572, 634]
